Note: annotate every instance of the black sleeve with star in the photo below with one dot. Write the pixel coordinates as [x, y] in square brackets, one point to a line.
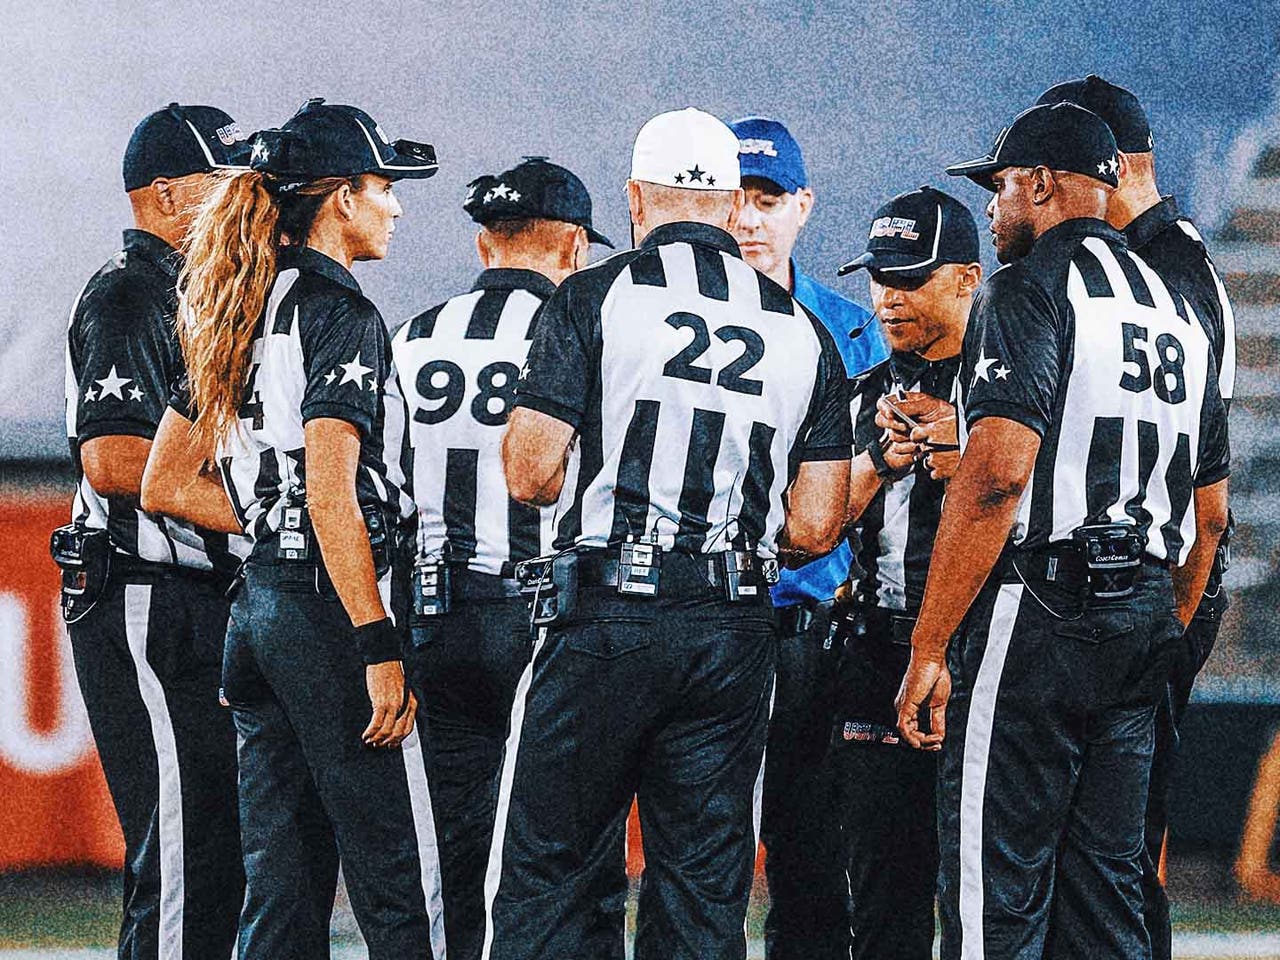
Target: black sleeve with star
[1013, 353]
[346, 357]
[125, 356]
[564, 358]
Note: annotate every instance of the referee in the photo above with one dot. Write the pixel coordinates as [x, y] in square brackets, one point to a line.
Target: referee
[292, 393]
[808, 889]
[699, 393]
[143, 593]
[1172, 246]
[458, 363]
[1095, 459]
[922, 262]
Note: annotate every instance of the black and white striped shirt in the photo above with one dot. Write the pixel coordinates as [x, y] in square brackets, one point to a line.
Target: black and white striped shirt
[1085, 344]
[1173, 247]
[458, 365]
[895, 533]
[321, 350]
[696, 385]
[122, 355]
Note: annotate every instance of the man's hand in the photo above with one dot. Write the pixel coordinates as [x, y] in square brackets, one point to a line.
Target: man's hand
[934, 433]
[927, 684]
[393, 705]
[896, 444]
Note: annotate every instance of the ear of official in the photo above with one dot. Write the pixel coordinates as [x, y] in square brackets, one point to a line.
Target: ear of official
[114, 463]
[535, 451]
[175, 481]
[817, 504]
[1190, 579]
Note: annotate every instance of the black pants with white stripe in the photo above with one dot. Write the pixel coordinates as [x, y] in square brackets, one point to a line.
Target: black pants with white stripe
[464, 668]
[1044, 775]
[663, 700]
[147, 658]
[1190, 655]
[808, 915]
[311, 792]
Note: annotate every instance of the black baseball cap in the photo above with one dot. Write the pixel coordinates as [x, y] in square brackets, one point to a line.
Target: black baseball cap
[915, 233]
[535, 188]
[1060, 136]
[1114, 104]
[181, 140]
[336, 140]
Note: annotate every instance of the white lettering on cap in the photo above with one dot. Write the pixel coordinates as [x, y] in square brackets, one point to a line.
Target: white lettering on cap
[757, 146]
[230, 134]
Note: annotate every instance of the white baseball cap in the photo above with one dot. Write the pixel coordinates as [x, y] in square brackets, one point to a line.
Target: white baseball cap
[687, 148]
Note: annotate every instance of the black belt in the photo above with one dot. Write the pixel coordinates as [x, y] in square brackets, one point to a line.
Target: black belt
[701, 573]
[130, 569]
[472, 585]
[893, 625]
[1062, 565]
[794, 620]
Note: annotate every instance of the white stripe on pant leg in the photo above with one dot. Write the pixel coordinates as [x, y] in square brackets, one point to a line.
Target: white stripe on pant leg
[137, 610]
[757, 791]
[973, 776]
[507, 775]
[424, 826]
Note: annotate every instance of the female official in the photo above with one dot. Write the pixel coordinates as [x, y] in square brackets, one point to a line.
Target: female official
[291, 393]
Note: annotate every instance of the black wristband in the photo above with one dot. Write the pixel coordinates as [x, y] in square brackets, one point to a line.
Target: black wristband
[378, 642]
[883, 470]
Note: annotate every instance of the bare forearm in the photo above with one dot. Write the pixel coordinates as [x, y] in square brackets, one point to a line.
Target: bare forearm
[864, 483]
[535, 454]
[203, 501]
[344, 545]
[114, 465]
[972, 532]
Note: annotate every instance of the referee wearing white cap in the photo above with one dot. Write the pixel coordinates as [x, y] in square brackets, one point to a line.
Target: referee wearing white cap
[712, 433]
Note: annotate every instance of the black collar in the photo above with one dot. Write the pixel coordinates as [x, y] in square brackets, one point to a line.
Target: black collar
[1083, 227]
[513, 278]
[1143, 228]
[685, 231]
[909, 368]
[151, 247]
[313, 261]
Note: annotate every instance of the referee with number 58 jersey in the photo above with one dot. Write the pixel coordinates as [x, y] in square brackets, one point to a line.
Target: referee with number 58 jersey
[1159, 234]
[1074, 543]
[458, 363]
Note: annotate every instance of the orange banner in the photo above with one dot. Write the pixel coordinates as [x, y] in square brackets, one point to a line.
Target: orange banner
[54, 805]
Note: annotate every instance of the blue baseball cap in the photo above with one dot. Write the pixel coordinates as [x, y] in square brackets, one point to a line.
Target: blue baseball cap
[766, 149]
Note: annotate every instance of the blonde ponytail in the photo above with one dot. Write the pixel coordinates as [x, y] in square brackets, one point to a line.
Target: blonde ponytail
[230, 266]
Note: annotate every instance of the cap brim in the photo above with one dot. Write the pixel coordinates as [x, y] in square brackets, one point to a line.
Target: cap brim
[595, 236]
[410, 160]
[904, 265]
[979, 171]
[783, 183]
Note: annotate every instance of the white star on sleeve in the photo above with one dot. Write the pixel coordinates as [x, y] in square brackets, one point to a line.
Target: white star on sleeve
[982, 369]
[112, 385]
[354, 372]
[135, 393]
[329, 377]
[1002, 372]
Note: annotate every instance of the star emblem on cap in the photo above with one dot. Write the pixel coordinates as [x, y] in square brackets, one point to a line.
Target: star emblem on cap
[679, 178]
[1102, 168]
[499, 191]
[1115, 165]
[513, 196]
[695, 174]
[711, 181]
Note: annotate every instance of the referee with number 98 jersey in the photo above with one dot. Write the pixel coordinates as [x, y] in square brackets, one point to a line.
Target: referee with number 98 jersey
[458, 363]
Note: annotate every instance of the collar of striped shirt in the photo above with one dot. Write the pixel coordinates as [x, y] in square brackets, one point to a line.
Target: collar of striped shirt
[310, 260]
[513, 278]
[1143, 228]
[684, 231]
[151, 247]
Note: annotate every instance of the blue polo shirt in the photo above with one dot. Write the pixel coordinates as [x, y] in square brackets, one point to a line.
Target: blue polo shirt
[862, 346]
